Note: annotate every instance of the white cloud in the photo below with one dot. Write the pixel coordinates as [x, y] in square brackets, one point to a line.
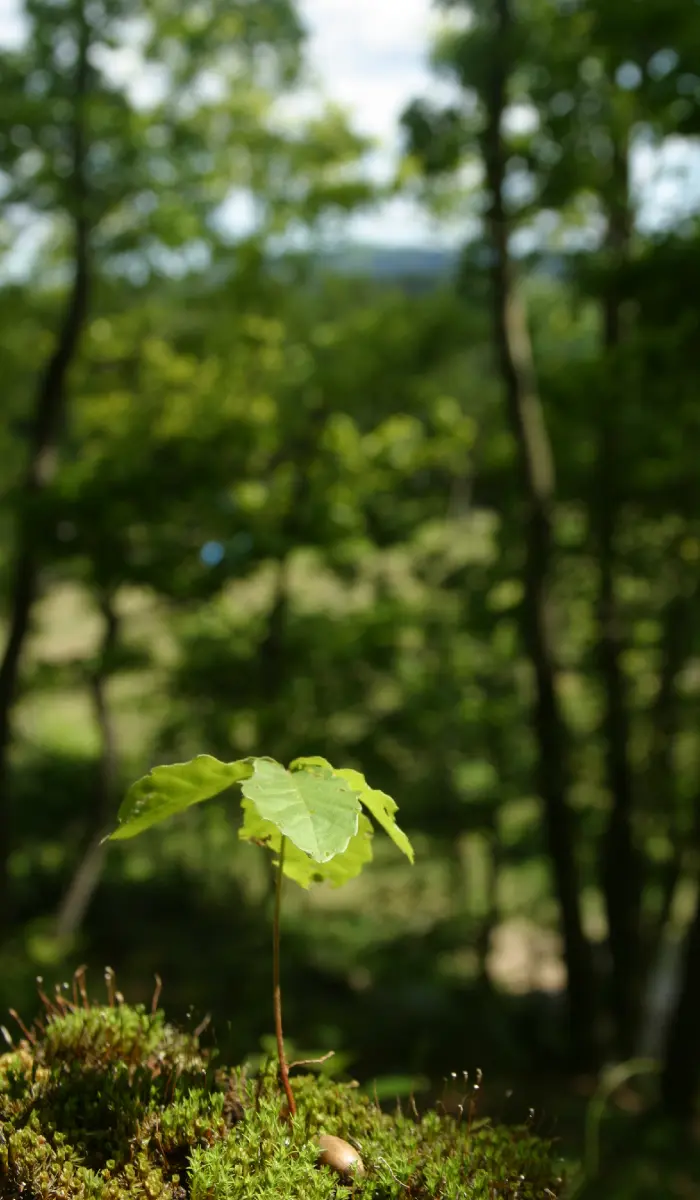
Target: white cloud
[371, 56]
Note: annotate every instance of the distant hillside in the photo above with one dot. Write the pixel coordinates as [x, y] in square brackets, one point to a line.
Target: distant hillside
[418, 269]
[423, 266]
[393, 262]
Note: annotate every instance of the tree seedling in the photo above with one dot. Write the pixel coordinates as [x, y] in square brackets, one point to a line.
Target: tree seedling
[311, 816]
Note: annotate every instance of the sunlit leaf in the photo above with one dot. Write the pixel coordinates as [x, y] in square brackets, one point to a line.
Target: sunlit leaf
[316, 810]
[381, 806]
[298, 865]
[168, 790]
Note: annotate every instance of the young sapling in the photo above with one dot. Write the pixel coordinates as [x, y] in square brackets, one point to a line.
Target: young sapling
[311, 816]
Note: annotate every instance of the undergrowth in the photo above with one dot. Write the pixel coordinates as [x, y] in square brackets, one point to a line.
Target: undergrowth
[109, 1101]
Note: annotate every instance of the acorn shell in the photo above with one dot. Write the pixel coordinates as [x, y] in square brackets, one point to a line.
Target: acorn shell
[339, 1155]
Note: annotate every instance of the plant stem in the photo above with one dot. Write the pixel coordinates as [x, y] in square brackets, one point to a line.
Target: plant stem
[277, 990]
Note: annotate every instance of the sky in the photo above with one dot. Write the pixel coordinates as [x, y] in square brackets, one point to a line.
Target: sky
[370, 54]
[371, 57]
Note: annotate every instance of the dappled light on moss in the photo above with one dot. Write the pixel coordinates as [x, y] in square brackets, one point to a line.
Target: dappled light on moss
[108, 1101]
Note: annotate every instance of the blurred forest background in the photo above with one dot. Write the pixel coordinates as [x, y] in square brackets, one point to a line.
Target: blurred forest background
[436, 515]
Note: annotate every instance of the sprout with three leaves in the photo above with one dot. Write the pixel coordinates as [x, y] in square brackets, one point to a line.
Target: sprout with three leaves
[311, 816]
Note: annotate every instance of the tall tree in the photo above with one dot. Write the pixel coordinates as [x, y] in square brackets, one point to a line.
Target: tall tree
[593, 81]
[483, 61]
[621, 865]
[48, 409]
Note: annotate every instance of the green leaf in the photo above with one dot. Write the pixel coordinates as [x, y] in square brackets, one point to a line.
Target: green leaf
[312, 763]
[381, 806]
[298, 865]
[317, 811]
[171, 789]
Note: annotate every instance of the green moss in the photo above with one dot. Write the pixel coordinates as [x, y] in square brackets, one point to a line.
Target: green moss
[111, 1101]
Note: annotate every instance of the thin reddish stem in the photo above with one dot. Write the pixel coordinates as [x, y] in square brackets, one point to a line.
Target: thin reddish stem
[277, 990]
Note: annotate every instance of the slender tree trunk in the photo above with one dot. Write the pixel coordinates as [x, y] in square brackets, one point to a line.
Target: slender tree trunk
[490, 920]
[680, 1080]
[536, 465]
[48, 417]
[497, 751]
[663, 783]
[620, 861]
[87, 875]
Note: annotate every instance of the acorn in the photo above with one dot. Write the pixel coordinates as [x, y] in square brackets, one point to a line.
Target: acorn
[340, 1155]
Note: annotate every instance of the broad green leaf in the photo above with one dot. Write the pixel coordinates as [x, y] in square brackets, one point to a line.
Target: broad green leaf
[318, 812]
[171, 789]
[381, 806]
[299, 866]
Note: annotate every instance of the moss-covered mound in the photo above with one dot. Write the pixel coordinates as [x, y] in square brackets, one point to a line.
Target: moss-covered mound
[110, 1101]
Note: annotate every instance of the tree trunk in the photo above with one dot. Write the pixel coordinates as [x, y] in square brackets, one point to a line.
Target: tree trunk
[87, 875]
[680, 1079]
[497, 753]
[663, 795]
[49, 412]
[620, 861]
[536, 465]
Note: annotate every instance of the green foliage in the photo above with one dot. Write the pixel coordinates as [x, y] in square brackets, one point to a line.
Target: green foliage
[298, 865]
[109, 1101]
[340, 445]
[382, 808]
[314, 806]
[168, 790]
[308, 804]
